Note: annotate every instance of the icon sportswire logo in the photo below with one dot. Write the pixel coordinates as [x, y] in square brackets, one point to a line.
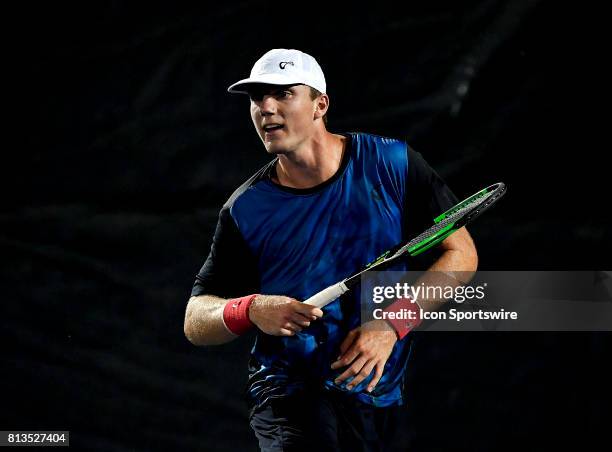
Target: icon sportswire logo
[284, 64]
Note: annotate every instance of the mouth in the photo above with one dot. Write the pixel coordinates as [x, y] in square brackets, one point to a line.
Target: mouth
[272, 129]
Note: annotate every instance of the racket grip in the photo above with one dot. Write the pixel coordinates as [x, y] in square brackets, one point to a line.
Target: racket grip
[327, 295]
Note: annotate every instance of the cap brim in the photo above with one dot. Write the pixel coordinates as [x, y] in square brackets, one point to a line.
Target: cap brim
[268, 79]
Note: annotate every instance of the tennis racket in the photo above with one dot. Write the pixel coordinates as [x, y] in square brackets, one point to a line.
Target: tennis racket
[444, 225]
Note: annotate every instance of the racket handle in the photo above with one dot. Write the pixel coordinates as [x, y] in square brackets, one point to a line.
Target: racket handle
[328, 295]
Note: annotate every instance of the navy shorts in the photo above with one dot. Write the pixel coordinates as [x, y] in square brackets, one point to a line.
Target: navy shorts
[323, 421]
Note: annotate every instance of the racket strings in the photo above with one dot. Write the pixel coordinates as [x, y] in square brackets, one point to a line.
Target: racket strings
[478, 198]
[452, 217]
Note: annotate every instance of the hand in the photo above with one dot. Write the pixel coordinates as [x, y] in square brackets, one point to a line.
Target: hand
[364, 349]
[281, 316]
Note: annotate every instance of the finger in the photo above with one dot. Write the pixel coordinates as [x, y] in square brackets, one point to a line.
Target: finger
[376, 377]
[304, 316]
[292, 327]
[351, 371]
[365, 372]
[312, 312]
[318, 313]
[345, 359]
[348, 340]
[300, 320]
[286, 332]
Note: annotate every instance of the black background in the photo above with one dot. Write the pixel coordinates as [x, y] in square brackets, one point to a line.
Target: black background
[127, 144]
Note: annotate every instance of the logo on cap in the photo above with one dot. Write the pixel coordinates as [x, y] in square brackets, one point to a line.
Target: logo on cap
[282, 64]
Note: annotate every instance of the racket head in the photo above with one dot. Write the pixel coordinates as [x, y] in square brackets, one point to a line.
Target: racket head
[496, 190]
[455, 218]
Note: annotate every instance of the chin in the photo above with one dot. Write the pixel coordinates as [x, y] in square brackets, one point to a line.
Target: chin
[275, 148]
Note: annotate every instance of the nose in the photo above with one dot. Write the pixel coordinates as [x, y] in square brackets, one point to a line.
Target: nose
[267, 106]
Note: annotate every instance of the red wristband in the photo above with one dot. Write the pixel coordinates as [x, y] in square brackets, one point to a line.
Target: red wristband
[405, 324]
[236, 314]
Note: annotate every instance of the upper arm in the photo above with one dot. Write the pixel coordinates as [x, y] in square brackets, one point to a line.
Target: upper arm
[426, 195]
[230, 270]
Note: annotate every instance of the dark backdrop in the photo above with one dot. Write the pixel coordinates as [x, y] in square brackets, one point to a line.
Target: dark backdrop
[128, 144]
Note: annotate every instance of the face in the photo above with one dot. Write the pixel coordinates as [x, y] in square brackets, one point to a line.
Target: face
[283, 116]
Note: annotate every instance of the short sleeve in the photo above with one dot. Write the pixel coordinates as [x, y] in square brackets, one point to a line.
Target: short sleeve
[230, 270]
[426, 195]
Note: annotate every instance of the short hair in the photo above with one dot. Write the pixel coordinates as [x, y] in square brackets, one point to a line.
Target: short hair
[314, 93]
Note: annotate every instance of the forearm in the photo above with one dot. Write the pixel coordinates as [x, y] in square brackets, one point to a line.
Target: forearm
[456, 261]
[204, 321]
[455, 267]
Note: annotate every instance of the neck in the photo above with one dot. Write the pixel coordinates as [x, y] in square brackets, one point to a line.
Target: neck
[313, 163]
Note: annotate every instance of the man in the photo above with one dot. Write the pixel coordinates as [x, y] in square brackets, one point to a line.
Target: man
[324, 207]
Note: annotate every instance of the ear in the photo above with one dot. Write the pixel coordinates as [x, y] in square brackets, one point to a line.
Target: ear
[321, 104]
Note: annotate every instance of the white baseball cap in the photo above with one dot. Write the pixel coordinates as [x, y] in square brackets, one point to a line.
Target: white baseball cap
[283, 67]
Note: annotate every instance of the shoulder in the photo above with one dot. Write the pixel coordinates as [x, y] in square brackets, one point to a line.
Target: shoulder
[378, 141]
[243, 190]
[381, 150]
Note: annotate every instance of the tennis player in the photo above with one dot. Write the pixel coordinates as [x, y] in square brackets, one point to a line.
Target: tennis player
[325, 205]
